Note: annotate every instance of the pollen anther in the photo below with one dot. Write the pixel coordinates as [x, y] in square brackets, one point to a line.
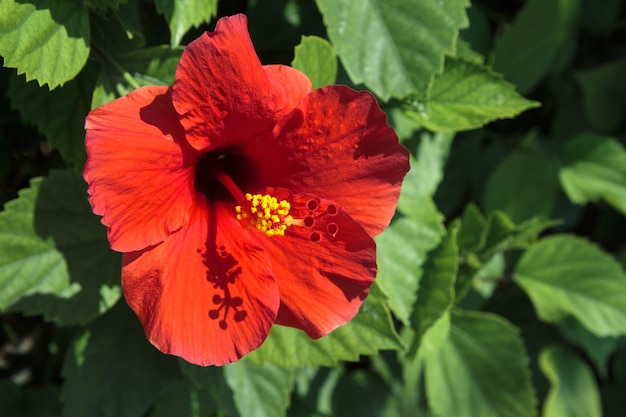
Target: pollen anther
[265, 214]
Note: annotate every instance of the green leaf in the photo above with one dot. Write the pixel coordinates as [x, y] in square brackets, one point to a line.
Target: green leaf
[370, 331]
[436, 287]
[361, 394]
[55, 258]
[530, 172]
[32, 401]
[182, 15]
[48, 40]
[466, 96]
[182, 398]
[573, 391]
[593, 168]
[473, 224]
[422, 181]
[598, 349]
[402, 250]
[149, 66]
[212, 381]
[481, 370]
[59, 114]
[600, 16]
[393, 46]
[104, 4]
[568, 276]
[527, 51]
[604, 88]
[112, 370]
[315, 57]
[260, 390]
[486, 236]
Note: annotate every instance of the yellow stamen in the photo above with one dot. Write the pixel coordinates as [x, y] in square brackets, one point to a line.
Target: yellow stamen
[272, 216]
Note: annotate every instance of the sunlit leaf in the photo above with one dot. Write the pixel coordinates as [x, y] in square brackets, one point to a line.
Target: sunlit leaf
[568, 276]
[481, 370]
[574, 392]
[593, 168]
[436, 286]
[48, 40]
[466, 96]
[402, 251]
[394, 47]
[55, 258]
[182, 15]
[315, 57]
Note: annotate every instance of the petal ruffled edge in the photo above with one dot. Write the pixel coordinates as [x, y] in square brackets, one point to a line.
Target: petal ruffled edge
[323, 270]
[336, 144]
[222, 92]
[139, 169]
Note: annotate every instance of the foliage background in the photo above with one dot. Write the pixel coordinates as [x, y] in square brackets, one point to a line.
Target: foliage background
[501, 288]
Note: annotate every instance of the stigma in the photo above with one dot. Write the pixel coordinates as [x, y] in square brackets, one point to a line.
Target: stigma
[265, 214]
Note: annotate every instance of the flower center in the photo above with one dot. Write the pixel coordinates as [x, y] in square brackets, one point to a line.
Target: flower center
[265, 214]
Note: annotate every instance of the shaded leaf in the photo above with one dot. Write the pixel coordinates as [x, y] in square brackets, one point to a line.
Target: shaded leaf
[112, 370]
[59, 114]
[466, 96]
[568, 276]
[36, 401]
[361, 394]
[481, 370]
[315, 57]
[370, 331]
[604, 89]
[103, 4]
[598, 349]
[149, 66]
[530, 172]
[573, 391]
[393, 46]
[182, 398]
[211, 380]
[527, 51]
[593, 167]
[48, 40]
[55, 258]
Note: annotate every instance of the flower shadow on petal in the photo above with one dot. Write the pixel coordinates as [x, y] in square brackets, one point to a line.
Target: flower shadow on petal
[152, 114]
[222, 271]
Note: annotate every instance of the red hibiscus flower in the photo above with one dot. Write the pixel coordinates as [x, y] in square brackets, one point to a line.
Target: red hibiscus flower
[240, 198]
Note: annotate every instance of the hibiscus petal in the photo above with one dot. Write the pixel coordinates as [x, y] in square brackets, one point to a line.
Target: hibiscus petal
[337, 144]
[223, 94]
[206, 293]
[139, 169]
[323, 270]
[293, 84]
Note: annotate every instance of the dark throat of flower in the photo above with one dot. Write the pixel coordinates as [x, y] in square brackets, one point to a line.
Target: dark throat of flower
[263, 212]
